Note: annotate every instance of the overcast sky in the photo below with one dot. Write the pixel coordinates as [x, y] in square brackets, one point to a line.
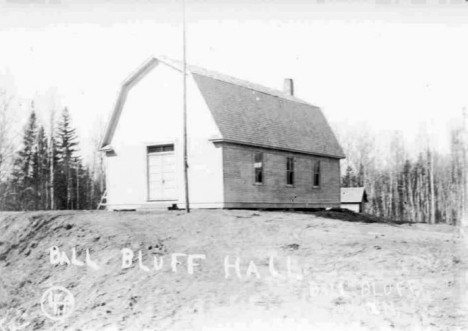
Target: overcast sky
[386, 66]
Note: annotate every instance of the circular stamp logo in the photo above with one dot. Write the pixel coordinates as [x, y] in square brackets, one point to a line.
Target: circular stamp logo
[57, 303]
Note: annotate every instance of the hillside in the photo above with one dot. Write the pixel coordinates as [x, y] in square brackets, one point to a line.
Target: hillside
[355, 276]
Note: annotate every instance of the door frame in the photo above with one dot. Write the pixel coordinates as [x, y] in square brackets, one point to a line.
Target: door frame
[159, 143]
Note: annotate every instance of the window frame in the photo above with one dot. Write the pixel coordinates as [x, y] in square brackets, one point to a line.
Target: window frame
[262, 168]
[290, 171]
[156, 149]
[317, 171]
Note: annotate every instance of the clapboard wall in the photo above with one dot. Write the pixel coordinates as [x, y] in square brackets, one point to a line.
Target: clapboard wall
[240, 190]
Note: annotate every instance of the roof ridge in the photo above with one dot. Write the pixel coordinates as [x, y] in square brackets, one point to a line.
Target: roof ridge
[232, 80]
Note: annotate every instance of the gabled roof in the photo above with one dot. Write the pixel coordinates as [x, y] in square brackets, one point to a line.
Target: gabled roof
[248, 113]
[353, 195]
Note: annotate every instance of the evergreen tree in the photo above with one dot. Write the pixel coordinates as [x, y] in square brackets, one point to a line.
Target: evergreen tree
[66, 141]
[40, 169]
[24, 193]
[48, 172]
[349, 179]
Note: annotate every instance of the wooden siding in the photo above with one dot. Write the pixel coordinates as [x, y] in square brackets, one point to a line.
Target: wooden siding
[151, 116]
[356, 207]
[240, 190]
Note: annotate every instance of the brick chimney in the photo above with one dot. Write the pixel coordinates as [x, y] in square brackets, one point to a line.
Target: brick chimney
[289, 86]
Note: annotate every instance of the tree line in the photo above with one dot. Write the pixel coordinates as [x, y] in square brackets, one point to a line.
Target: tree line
[46, 171]
[423, 185]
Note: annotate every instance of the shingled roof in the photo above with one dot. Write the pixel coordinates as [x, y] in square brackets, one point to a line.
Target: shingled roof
[353, 195]
[251, 114]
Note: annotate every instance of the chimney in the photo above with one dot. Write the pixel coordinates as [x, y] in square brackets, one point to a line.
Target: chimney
[289, 86]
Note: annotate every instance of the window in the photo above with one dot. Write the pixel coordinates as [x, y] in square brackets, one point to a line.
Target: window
[160, 149]
[316, 176]
[258, 166]
[289, 171]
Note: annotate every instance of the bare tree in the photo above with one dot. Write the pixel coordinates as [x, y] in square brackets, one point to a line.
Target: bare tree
[459, 180]
[420, 184]
[7, 146]
[97, 166]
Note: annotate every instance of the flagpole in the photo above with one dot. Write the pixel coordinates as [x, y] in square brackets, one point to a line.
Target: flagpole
[184, 73]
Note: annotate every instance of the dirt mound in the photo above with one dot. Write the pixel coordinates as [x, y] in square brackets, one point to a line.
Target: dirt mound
[351, 216]
[230, 270]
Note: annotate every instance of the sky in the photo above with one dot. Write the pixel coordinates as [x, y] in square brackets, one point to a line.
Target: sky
[379, 65]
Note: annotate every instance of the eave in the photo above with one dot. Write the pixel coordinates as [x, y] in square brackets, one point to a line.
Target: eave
[290, 150]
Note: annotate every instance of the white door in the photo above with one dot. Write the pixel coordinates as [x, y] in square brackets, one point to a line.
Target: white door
[161, 173]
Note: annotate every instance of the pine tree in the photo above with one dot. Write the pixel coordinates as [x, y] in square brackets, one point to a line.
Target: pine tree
[349, 178]
[23, 176]
[40, 169]
[66, 141]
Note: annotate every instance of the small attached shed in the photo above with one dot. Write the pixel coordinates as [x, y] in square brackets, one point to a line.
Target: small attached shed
[353, 198]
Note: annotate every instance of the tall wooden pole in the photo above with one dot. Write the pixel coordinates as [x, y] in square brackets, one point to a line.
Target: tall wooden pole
[184, 73]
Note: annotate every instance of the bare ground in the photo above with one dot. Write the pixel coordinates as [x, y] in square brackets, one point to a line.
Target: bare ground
[354, 275]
